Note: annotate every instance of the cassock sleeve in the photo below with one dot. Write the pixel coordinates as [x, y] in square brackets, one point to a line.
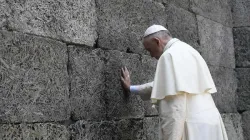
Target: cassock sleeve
[143, 90]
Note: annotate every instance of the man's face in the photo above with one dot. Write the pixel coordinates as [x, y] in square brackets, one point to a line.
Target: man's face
[152, 45]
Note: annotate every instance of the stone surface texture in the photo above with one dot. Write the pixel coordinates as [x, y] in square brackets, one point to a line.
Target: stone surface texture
[87, 88]
[121, 24]
[34, 79]
[233, 122]
[216, 10]
[182, 24]
[37, 131]
[151, 128]
[124, 129]
[60, 65]
[71, 21]
[179, 3]
[116, 130]
[240, 12]
[241, 33]
[217, 45]
[243, 90]
[245, 124]
[242, 46]
[225, 82]
[118, 104]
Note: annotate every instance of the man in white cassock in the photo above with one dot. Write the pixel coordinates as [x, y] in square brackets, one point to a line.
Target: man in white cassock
[182, 89]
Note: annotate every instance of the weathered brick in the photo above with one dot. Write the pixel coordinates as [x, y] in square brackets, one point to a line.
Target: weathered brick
[148, 72]
[233, 122]
[216, 10]
[179, 3]
[107, 130]
[142, 69]
[87, 83]
[246, 124]
[71, 21]
[240, 12]
[91, 130]
[243, 88]
[225, 82]
[121, 24]
[119, 105]
[242, 46]
[129, 130]
[34, 79]
[151, 128]
[216, 41]
[182, 24]
[149, 110]
[37, 131]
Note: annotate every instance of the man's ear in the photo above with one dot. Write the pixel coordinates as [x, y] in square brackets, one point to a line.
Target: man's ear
[157, 41]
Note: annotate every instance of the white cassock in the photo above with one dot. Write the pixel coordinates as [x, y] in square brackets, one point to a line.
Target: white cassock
[182, 88]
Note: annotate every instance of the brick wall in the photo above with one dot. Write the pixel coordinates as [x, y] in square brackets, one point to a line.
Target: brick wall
[60, 63]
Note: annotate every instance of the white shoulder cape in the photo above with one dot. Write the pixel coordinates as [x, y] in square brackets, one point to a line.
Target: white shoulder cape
[181, 69]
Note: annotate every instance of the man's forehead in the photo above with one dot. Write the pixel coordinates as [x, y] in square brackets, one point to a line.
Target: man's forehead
[146, 41]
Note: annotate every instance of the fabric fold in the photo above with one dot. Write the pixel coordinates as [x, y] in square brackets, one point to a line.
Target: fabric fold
[181, 69]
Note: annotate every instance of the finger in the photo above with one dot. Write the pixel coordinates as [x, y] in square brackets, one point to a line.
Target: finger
[126, 68]
[128, 74]
[122, 72]
[126, 71]
[122, 79]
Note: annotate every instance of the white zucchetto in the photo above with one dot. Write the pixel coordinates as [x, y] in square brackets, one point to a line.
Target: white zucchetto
[153, 29]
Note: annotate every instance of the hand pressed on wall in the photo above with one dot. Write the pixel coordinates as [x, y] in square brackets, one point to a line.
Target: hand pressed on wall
[125, 79]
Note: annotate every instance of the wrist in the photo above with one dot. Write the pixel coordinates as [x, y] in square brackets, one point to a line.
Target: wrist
[133, 89]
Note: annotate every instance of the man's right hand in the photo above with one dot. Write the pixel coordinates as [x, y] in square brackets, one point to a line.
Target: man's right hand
[125, 79]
